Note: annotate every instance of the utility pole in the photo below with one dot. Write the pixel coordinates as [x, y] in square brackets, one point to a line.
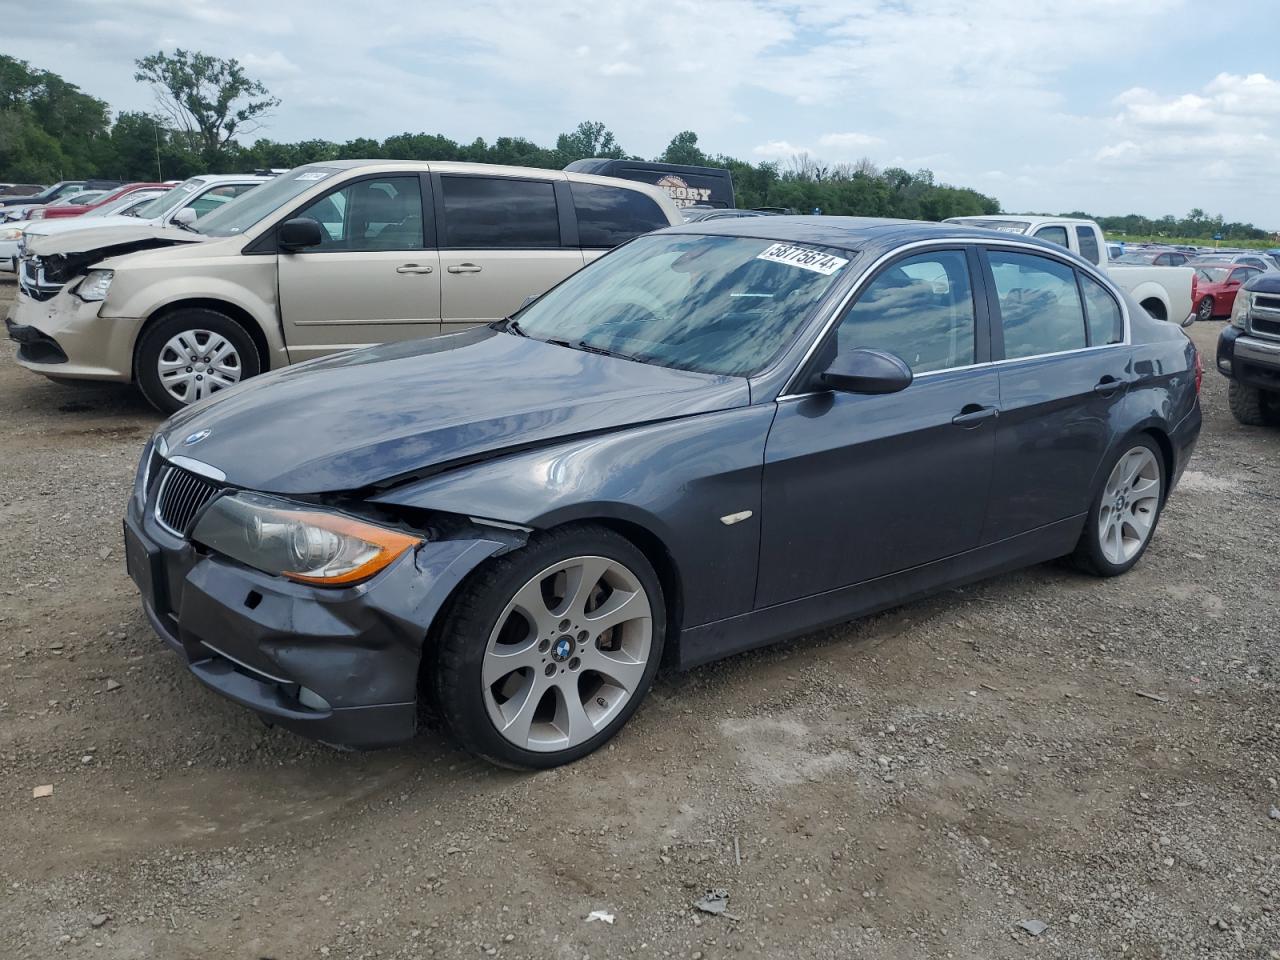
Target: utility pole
[155, 128]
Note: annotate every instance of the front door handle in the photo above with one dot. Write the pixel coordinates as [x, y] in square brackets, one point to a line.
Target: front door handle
[465, 268]
[971, 414]
[415, 268]
[1108, 385]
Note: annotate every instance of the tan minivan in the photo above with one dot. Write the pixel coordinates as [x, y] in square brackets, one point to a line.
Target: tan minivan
[326, 257]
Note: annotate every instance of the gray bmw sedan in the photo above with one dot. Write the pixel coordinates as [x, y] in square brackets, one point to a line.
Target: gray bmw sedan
[714, 437]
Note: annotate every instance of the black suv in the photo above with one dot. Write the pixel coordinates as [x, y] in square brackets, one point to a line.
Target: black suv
[1249, 351]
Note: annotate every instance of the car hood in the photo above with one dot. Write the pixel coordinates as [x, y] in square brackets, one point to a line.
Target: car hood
[1268, 282]
[369, 417]
[79, 236]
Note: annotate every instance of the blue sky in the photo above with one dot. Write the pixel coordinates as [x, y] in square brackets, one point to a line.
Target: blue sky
[1149, 106]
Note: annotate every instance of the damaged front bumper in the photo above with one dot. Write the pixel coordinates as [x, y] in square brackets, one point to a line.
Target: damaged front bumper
[336, 665]
[64, 338]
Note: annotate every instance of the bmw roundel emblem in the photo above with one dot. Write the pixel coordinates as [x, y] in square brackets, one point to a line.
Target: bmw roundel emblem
[195, 438]
[562, 649]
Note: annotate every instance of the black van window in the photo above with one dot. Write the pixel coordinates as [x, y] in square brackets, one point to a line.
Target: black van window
[491, 212]
[608, 216]
[1088, 244]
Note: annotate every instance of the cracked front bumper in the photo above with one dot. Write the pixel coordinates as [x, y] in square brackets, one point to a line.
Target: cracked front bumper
[91, 348]
[336, 665]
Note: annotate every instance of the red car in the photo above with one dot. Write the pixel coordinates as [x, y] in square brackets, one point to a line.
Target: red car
[1215, 287]
[70, 208]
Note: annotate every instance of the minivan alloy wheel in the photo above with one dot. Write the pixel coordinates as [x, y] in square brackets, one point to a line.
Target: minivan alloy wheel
[567, 653]
[195, 363]
[1130, 505]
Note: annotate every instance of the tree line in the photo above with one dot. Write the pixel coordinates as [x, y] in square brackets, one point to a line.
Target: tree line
[52, 130]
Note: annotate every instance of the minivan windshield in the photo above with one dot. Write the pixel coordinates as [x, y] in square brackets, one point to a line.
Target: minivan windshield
[711, 304]
[249, 208]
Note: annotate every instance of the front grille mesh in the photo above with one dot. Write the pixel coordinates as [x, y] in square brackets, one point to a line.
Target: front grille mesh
[180, 496]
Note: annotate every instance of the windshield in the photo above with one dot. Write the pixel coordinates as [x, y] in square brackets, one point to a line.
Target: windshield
[720, 305]
[158, 207]
[86, 198]
[1212, 274]
[122, 204]
[249, 208]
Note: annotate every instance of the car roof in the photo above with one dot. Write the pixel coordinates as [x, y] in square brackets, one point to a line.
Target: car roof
[849, 233]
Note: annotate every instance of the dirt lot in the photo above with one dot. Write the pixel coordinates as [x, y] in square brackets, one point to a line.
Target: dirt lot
[913, 785]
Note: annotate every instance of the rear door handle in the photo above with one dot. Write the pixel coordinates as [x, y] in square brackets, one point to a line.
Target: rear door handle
[415, 268]
[464, 268]
[972, 414]
[1109, 385]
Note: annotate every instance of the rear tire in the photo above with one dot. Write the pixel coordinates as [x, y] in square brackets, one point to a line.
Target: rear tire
[1125, 510]
[222, 353]
[1205, 310]
[527, 673]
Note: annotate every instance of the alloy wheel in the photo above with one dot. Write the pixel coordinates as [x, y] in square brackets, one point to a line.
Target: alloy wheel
[1205, 311]
[195, 363]
[567, 653]
[1130, 505]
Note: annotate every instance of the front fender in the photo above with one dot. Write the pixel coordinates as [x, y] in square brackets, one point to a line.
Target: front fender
[675, 479]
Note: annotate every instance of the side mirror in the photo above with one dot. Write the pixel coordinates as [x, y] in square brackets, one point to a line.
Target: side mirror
[185, 217]
[866, 371]
[300, 232]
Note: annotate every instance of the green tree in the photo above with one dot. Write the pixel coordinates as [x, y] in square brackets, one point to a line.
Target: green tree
[683, 148]
[589, 139]
[208, 98]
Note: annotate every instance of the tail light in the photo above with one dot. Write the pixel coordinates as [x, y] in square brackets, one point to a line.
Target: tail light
[1195, 287]
[1199, 372]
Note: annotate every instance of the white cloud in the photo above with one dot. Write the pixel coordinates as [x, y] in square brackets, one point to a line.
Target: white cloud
[620, 69]
[274, 64]
[844, 143]
[778, 150]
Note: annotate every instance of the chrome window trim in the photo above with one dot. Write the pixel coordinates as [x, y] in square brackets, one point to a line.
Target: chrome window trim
[943, 243]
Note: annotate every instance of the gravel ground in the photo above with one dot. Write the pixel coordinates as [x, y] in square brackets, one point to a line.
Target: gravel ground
[916, 784]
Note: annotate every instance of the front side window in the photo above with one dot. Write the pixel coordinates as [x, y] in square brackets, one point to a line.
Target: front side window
[492, 213]
[1164, 260]
[370, 215]
[1243, 274]
[1040, 310]
[920, 309]
[713, 304]
[1088, 241]
[1106, 323]
[608, 216]
[1056, 234]
[254, 202]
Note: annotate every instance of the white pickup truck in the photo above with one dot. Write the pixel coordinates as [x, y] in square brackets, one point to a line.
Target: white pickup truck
[1167, 293]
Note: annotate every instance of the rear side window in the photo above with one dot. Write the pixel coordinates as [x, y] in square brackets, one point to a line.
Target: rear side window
[493, 213]
[608, 216]
[1040, 309]
[1056, 235]
[1106, 324]
[1088, 241]
[920, 309]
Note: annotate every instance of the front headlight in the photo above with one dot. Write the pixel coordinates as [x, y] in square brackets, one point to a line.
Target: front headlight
[95, 285]
[1240, 312]
[10, 233]
[301, 542]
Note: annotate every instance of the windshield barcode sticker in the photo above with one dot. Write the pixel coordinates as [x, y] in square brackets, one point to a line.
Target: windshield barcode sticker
[804, 258]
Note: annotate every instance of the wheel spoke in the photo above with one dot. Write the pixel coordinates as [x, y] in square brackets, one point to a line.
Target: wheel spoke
[619, 667]
[571, 717]
[506, 658]
[1144, 488]
[581, 580]
[530, 602]
[622, 605]
[517, 713]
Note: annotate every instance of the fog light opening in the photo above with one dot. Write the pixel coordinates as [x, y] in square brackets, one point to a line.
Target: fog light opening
[311, 699]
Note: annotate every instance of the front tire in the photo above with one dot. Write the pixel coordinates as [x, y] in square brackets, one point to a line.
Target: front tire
[192, 354]
[1205, 310]
[1125, 511]
[549, 650]
[1248, 404]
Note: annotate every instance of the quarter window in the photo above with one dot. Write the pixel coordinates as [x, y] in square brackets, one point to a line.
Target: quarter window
[1088, 241]
[370, 215]
[1057, 234]
[492, 213]
[1106, 324]
[608, 216]
[920, 309]
[1040, 310]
